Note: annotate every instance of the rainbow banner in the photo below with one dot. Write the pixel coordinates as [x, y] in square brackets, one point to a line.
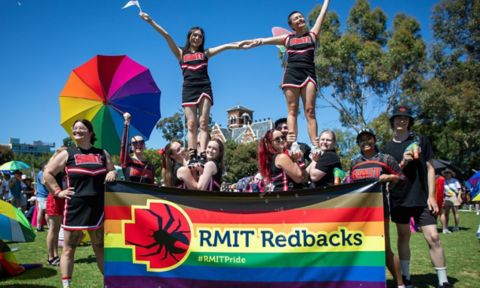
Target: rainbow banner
[166, 237]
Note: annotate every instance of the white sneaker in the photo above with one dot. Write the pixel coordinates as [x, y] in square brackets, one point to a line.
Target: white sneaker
[446, 231]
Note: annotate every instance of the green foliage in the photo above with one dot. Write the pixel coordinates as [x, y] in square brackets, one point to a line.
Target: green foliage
[68, 142]
[156, 160]
[367, 66]
[36, 161]
[347, 147]
[240, 160]
[172, 127]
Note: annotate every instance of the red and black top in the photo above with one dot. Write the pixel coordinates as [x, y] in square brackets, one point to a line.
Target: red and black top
[86, 170]
[194, 66]
[301, 50]
[371, 168]
[279, 179]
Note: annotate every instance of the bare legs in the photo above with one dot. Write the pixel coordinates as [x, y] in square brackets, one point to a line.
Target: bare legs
[308, 95]
[202, 122]
[52, 235]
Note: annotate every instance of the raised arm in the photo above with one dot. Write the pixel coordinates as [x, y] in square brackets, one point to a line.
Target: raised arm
[318, 23]
[215, 50]
[124, 156]
[171, 43]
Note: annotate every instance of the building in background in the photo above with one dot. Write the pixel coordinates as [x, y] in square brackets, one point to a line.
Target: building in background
[36, 149]
[242, 128]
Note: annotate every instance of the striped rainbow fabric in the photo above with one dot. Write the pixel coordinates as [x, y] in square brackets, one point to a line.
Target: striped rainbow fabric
[165, 237]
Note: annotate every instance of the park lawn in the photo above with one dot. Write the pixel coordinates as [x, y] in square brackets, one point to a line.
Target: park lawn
[461, 248]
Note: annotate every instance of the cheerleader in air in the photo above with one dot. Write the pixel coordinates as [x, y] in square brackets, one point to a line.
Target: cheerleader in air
[299, 79]
[197, 96]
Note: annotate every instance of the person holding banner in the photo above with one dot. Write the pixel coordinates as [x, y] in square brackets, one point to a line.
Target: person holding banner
[416, 198]
[299, 79]
[372, 164]
[197, 91]
[135, 167]
[175, 170]
[211, 176]
[87, 168]
[279, 170]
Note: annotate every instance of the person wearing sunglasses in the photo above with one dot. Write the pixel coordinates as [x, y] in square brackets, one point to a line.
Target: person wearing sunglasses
[372, 164]
[278, 169]
[175, 170]
[135, 166]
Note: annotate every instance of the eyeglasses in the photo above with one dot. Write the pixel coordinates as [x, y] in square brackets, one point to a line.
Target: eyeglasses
[280, 139]
[139, 142]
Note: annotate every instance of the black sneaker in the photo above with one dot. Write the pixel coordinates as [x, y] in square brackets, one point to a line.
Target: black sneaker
[202, 159]
[445, 285]
[193, 158]
[407, 282]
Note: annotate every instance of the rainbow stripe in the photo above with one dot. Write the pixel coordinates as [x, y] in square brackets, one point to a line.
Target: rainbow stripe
[178, 238]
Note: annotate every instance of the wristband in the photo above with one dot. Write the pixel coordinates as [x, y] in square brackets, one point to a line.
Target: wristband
[55, 194]
[301, 164]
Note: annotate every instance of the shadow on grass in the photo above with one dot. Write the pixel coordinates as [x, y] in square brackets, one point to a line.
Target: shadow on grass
[89, 259]
[44, 272]
[429, 280]
[30, 286]
[440, 230]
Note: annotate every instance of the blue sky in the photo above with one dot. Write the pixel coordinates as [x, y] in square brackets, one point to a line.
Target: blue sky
[42, 41]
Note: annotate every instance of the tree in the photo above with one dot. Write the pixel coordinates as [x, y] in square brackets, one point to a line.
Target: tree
[240, 160]
[172, 127]
[449, 99]
[366, 66]
[67, 141]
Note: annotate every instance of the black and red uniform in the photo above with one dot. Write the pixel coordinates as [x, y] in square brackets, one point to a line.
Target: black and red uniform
[196, 82]
[364, 168]
[216, 180]
[134, 170]
[279, 179]
[85, 172]
[300, 68]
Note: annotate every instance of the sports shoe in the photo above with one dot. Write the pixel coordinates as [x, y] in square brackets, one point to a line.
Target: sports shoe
[446, 231]
[455, 229]
[407, 282]
[202, 159]
[192, 153]
[55, 261]
[445, 285]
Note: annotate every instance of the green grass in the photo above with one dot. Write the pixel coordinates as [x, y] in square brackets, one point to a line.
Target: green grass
[461, 248]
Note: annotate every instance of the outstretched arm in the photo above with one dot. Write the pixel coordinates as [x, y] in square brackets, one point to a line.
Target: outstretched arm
[215, 50]
[277, 40]
[318, 23]
[171, 44]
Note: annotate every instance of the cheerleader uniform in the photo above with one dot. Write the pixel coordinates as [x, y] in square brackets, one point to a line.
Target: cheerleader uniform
[85, 172]
[176, 181]
[216, 180]
[300, 68]
[196, 82]
[139, 171]
[280, 179]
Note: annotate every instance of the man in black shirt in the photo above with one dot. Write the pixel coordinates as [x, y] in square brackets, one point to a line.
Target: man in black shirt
[417, 197]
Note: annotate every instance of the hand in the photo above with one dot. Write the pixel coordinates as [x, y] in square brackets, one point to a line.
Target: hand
[432, 205]
[111, 176]
[127, 117]
[315, 156]
[384, 178]
[66, 194]
[145, 17]
[247, 44]
[407, 158]
[296, 155]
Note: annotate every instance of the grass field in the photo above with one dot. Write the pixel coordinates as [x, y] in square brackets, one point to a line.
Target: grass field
[461, 248]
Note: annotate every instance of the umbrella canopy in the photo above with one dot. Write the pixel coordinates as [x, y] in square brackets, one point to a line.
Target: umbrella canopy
[441, 165]
[14, 165]
[14, 226]
[104, 88]
[473, 184]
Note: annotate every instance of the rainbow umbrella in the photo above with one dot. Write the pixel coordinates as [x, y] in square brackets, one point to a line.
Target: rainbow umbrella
[104, 88]
[14, 165]
[14, 226]
[473, 184]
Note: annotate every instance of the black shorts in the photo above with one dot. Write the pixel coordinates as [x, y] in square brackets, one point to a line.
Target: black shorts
[192, 95]
[299, 77]
[83, 213]
[421, 215]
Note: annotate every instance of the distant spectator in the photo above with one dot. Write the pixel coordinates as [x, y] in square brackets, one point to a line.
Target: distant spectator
[42, 195]
[452, 200]
[19, 200]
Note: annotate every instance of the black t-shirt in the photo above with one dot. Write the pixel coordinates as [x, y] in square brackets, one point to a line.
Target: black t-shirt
[415, 191]
[327, 163]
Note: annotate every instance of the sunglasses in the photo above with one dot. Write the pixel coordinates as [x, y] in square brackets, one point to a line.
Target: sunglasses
[280, 139]
[141, 142]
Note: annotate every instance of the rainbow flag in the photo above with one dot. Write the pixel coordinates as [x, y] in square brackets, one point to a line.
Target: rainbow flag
[166, 237]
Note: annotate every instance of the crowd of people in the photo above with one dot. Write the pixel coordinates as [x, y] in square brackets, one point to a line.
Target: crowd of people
[70, 188]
